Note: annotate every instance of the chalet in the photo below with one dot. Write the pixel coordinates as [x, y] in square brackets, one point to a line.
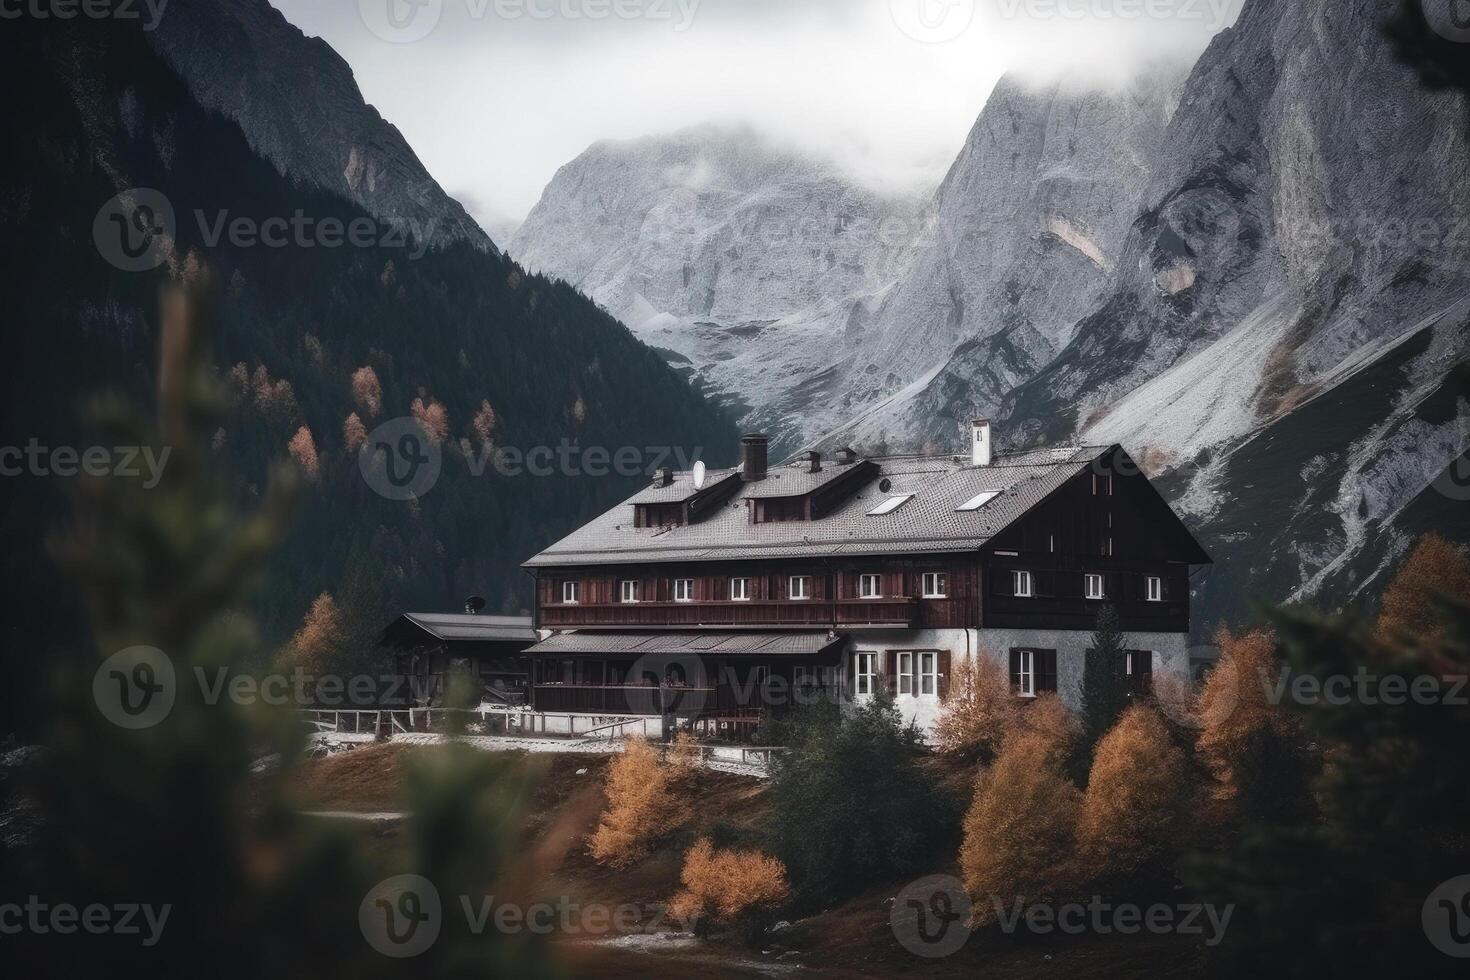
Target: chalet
[718, 595]
[430, 649]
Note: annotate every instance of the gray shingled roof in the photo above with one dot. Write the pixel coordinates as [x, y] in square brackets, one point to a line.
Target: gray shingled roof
[928, 523]
[680, 490]
[801, 644]
[457, 626]
[796, 479]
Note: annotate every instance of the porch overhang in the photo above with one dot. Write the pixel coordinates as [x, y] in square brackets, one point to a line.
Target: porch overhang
[812, 644]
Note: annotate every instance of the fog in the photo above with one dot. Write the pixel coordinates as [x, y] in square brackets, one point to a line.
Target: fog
[495, 95]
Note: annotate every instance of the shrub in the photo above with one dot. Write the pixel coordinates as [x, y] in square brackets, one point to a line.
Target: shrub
[682, 757]
[641, 806]
[1133, 808]
[1018, 833]
[730, 886]
[980, 707]
[849, 806]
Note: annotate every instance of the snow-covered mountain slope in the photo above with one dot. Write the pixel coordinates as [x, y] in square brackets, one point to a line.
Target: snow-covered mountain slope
[747, 264]
[299, 106]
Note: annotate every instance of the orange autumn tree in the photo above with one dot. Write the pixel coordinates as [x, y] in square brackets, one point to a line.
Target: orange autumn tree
[641, 806]
[1434, 570]
[1134, 806]
[729, 886]
[1019, 831]
[314, 648]
[1249, 744]
[977, 711]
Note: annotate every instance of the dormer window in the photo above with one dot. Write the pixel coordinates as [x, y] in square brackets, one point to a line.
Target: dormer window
[571, 593]
[870, 586]
[630, 590]
[740, 590]
[1022, 585]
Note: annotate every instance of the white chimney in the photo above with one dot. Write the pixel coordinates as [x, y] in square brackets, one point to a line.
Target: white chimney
[980, 442]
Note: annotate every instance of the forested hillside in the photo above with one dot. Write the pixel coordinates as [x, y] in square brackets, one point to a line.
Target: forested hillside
[467, 341]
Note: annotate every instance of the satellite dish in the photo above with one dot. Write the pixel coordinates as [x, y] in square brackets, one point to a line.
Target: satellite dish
[699, 474]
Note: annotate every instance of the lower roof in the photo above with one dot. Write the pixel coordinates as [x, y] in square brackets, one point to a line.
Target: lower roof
[462, 628]
[800, 644]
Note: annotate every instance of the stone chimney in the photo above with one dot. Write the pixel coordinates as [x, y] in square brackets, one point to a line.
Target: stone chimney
[664, 477]
[980, 442]
[813, 461]
[753, 457]
[846, 455]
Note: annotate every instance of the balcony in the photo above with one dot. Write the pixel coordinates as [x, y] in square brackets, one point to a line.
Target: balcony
[890, 612]
[718, 701]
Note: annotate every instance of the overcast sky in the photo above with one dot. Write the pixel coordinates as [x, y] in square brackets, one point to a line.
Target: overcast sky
[495, 95]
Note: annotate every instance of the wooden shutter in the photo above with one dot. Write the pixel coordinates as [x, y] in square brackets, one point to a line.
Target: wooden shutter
[1046, 670]
[1015, 669]
[890, 671]
[942, 665]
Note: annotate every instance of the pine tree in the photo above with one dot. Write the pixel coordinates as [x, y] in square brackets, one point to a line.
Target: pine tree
[1104, 686]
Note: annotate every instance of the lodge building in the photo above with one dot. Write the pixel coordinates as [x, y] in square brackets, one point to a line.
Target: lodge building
[718, 596]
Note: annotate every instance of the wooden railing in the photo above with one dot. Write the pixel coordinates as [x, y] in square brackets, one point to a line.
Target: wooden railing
[898, 612]
[725, 700]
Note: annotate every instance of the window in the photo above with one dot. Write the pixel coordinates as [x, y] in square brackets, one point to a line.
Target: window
[1025, 673]
[936, 585]
[977, 501]
[1154, 588]
[800, 587]
[869, 586]
[928, 673]
[864, 680]
[740, 589]
[905, 673]
[683, 590]
[629, 590]
[890, 505]
[1095, 586]
[1033, 671]
[571, 593]
[1139, 666]
[1021, 585]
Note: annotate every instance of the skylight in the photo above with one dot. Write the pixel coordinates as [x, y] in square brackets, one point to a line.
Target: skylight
[978, 501]
[890, 505]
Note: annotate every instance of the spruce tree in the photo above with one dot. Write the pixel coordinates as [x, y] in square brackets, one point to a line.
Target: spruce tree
[1104, 686]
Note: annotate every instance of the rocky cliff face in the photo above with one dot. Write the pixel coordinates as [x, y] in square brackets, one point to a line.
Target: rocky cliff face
[1021, 241]
[745, 263]
[299, 106]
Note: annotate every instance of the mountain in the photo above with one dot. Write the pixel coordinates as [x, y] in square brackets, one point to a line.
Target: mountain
[1021, 240]
[746, 263]
[299, 106]
[490, 355]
